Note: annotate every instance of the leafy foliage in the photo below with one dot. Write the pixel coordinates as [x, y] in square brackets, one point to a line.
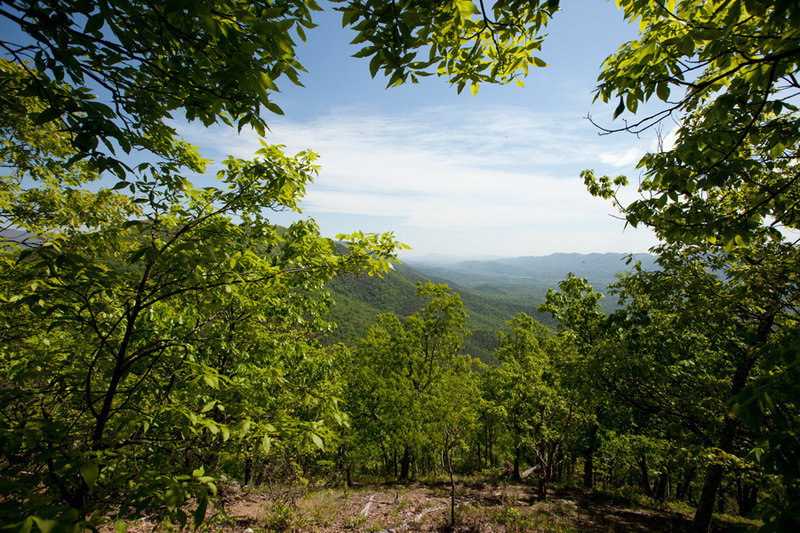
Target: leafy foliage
[213, 61]
[152, 329]
[727, 72]
[468, 43]
[690, 340]
[531, 389]
[406, 376]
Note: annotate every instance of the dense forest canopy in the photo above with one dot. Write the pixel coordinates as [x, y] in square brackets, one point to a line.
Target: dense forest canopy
[156, 335]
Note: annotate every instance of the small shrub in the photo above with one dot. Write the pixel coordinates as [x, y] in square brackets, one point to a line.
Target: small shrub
[354, 522]
[281, 517]
[513, 520]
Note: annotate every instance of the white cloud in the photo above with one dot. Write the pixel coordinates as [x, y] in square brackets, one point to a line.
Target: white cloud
[502, 174]
[626, 158]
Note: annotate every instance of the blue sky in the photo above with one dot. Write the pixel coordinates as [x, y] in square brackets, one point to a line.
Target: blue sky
[491, 175]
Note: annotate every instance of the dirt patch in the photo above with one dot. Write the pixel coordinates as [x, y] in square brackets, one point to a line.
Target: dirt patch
[481, 507]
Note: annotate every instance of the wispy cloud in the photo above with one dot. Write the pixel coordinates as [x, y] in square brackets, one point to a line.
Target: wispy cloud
[621, 159]
[501, 171]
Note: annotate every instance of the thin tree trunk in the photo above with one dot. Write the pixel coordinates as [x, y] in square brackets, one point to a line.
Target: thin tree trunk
[541, 490]
[683, 487]
[386, 463]
[746, 497]
[248, 470]
[452, 489]
[669, 482]
[405, 463]
[712, 481]
[490, 447]
[588, 459]
[645, 476]
[661, 486]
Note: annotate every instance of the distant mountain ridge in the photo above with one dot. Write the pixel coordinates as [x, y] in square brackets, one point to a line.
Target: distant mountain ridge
[529, 278]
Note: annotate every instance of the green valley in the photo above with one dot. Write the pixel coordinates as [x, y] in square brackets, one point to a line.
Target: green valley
[493, 292]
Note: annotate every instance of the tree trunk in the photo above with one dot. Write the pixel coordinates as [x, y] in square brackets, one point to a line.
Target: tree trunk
[490, 447]
[661, 486]
[559, 466]
[683, 487]
[588, 472]
[670, 487]
[705, 506]
[645, 476]
[405, 463]
[452, 489]
[588, 459]
[746, 497]
[386, 462]
[712, 481]
[517, 453]
[248, 470]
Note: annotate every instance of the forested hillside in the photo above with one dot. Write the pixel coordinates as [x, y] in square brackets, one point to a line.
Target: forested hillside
[493, 292]
[359, 299]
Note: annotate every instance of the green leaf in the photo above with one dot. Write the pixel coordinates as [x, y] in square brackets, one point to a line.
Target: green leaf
[620, 108]
[45, 526]
[48, 115]
[467, 8]
[274, 108]
[94, 23]
[26, 525]
[210, 379]
[374, 64]
[89, 473]
[632, 102]
[199, 514]
[266, 444]
[687, 46]
[662, 90]
[318, 441]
